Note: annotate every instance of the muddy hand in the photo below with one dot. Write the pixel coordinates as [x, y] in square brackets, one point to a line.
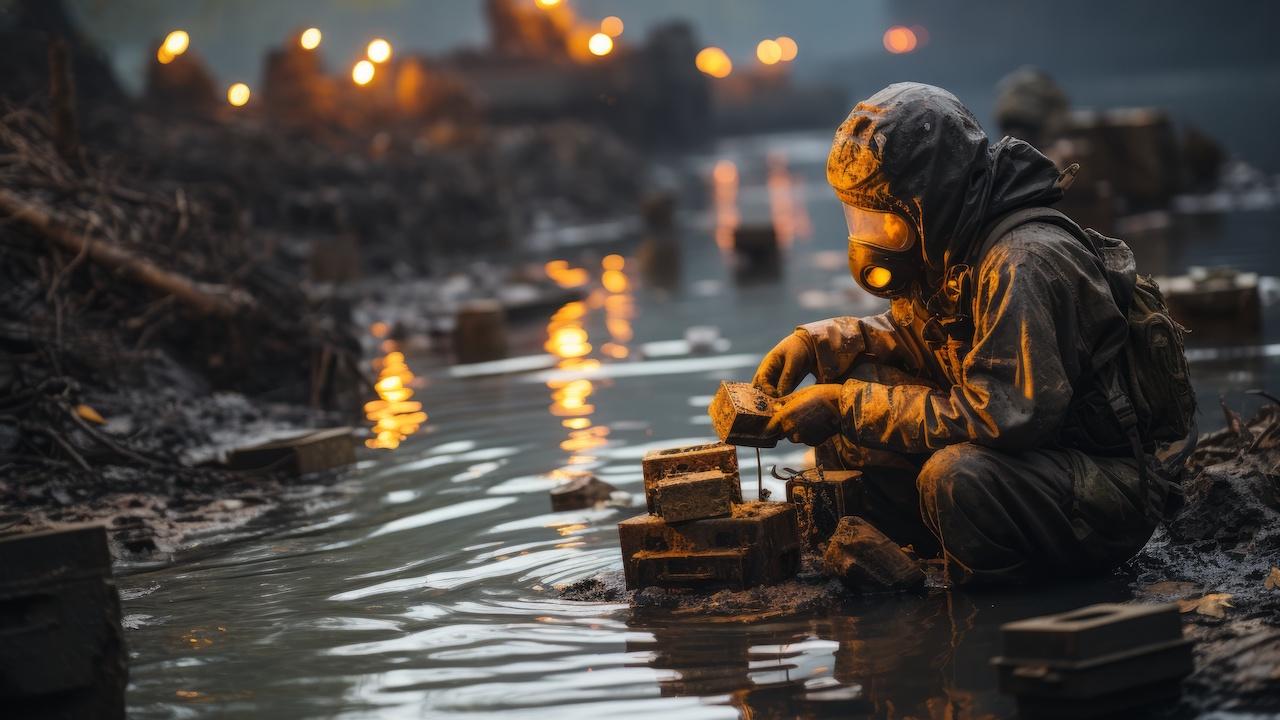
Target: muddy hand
[807, 416]
[785, 366]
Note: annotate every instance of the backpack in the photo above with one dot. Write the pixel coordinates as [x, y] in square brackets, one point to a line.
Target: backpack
[1140, 384]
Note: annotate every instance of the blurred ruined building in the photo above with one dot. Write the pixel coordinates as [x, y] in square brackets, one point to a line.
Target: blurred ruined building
[1131, 159]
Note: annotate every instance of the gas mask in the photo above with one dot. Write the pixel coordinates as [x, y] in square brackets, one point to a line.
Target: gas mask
[883, 256]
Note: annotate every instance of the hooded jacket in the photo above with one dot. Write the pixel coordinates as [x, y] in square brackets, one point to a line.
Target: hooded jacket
[1001, 336]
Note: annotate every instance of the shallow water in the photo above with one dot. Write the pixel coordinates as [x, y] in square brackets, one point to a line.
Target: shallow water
[430, 590]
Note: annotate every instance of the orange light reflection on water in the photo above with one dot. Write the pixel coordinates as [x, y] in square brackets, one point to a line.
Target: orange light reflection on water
[787, 210]
[394, 415]
[565, 276]
[569, 340]
[724, 194]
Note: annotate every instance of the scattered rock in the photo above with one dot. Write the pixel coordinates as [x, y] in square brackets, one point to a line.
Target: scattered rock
[865, 560]
[581, 490]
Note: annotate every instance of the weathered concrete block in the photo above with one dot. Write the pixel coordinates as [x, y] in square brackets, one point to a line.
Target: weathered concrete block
[740, 412]
[695, 496]
[660, 464]
[307, 452]
[865, 560]
[821, 498]
[1094, 661]
[580, 490]
[754, 545]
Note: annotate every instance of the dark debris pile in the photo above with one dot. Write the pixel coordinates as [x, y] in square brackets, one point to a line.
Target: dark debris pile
[126, 306]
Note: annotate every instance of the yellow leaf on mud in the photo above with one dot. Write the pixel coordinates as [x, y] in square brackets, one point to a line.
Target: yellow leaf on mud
[1212, 605]
[1273, 579]
[88, 413]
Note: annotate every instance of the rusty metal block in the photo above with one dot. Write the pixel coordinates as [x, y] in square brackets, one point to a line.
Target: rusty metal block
[1094, 661]
[756, 544]
[695, 496]
[821, 498]
[660, 464]
[740, 412]
[865, 560]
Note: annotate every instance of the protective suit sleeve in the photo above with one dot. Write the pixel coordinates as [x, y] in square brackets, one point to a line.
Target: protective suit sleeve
[1014, 389]
[841, 342]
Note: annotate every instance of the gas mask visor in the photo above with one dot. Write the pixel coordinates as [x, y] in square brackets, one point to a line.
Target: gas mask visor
[884, 230]
[879, 250]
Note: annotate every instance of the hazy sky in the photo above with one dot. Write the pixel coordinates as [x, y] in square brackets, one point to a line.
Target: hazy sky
[233, 34]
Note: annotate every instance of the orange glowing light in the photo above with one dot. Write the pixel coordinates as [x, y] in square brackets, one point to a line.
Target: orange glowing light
[620, 329]
[614, 281]
[238, 95]
[569, 341]
[578, 423]
[714, 62]
[612, 26]
[565, 276]
[379, 50]
[570, 399]
[600, 44]
[393, 415]
[546, 4]
[613, 262]
[177, 42]
[900, 39]
[586, 439]
[363, 72]
[310, 38]
[789, 48]
[725, 171]
[769, 52]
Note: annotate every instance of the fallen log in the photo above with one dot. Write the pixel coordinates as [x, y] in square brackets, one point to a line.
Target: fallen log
[203, 298]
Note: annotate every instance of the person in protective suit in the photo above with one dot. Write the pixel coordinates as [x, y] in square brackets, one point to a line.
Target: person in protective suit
[960, 402]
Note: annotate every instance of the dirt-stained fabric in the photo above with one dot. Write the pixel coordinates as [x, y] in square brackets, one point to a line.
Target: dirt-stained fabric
[988, 355]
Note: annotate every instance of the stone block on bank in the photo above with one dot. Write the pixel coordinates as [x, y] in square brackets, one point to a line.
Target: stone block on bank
[305, 452]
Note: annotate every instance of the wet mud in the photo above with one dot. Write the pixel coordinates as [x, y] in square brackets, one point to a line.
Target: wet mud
[1217, 559]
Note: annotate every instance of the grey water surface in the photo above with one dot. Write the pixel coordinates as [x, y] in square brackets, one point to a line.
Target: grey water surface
[429, 590]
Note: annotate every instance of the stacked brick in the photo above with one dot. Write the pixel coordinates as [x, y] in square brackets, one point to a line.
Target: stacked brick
[699, 533]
